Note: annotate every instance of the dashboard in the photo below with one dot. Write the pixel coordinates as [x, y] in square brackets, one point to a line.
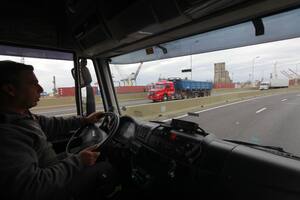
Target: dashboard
[175, 159]
[162, 139]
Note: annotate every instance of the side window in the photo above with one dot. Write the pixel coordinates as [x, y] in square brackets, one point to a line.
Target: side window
[58, 97]
[55, 77]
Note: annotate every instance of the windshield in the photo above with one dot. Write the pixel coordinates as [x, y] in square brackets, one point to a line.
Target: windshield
[222, 90]
[159, 86]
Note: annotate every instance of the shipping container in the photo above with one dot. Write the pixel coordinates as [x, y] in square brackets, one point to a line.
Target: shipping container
[66, 91]
[70, 91]
[130, 89]
[293, 82]
[224, 85]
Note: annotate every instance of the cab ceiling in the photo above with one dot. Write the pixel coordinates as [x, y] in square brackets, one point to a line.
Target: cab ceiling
[111, 28]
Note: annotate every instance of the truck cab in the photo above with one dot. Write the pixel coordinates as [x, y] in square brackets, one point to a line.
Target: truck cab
[264, 85]
[162, 91]
[236, 144]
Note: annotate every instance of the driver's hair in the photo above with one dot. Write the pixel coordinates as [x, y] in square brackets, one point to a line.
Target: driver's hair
[10, 71]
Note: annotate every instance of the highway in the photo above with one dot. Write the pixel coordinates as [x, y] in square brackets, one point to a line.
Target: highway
[272, 120]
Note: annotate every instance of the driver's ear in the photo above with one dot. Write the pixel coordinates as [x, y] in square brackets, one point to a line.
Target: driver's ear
[9, 89]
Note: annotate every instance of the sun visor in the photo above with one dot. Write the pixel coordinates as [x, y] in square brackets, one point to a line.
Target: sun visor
[272, 28]
[34, 53]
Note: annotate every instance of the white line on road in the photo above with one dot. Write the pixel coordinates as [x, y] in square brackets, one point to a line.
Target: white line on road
[283, 100]
[260, 110]
[298, 95]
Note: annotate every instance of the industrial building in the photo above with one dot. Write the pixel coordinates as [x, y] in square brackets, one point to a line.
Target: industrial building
[221, 76]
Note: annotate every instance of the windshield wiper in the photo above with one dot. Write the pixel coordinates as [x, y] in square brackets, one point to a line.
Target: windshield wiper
[275, 148]
[158, 122]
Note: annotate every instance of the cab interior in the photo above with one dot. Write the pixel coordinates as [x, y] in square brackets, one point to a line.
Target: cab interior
[150, 164]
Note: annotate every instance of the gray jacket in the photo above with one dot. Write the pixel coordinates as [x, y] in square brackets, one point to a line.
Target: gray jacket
[29, 168]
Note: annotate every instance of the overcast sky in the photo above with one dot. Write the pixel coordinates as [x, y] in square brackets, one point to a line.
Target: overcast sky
[239, 63]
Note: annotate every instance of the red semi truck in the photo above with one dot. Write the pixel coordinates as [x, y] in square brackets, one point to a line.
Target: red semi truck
[179, 89]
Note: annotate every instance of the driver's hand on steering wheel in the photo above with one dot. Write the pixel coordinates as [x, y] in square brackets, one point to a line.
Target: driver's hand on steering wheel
[92, 118]
[88, 156]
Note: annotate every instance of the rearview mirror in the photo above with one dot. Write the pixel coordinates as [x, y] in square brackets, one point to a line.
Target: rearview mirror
[84, 74]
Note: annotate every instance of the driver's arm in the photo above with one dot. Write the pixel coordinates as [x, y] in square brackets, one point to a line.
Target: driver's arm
[21, 175]
[59, 126]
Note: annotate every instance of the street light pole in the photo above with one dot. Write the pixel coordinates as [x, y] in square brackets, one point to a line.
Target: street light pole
[191, 67]
[253, 61]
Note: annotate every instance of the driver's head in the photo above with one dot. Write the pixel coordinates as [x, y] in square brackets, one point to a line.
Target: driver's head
[18, 85]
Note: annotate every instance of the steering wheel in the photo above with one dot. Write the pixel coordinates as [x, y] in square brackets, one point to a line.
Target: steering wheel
[93, 134]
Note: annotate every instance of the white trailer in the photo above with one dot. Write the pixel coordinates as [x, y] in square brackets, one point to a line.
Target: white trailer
[279, 83]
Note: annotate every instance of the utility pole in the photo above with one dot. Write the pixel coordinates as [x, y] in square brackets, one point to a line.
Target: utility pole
[263, 75]
[191, 67]
[275, 69]
[54, 86]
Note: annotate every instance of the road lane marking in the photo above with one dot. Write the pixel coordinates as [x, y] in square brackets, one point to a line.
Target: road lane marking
[298, 95]
[260, 110]
[283, 100]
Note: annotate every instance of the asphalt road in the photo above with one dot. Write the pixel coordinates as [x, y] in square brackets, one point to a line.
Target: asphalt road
[272, 120]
